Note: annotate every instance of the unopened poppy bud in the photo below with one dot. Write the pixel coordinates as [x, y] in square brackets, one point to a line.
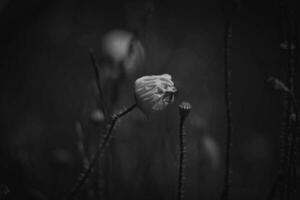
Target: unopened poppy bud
[184, 109]
[154, 93]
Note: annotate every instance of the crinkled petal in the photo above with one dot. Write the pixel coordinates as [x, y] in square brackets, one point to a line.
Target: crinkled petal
[154, 92]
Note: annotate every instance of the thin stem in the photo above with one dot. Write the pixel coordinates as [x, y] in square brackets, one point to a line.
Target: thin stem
[180, 190]
[98, 82]
[100, 151]
[288, 148]
[288, 138]
[227, 40]
[292, 146]
[102, 105]
[80, 144]
[184, 109]
[294, 109]
[81, 149]
[284, 136]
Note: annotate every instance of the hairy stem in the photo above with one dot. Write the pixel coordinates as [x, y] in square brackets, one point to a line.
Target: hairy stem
[182, 147]
[281, 178]
[184, 109]
[104, 108]
[227, 42]
[293, 107]
[99, 153]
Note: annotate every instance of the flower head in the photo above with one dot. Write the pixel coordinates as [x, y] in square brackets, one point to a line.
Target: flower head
[122, 47]
[154, 92]
[116, 43]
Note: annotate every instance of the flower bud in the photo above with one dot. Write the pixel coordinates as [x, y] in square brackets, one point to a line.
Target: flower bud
[154, 93]
[184, 109]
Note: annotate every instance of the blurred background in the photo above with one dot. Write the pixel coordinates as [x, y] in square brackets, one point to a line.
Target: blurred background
[50, 107]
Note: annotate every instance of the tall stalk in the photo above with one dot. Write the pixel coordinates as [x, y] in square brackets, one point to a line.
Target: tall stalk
[184, 109]
[227, 95]
[285, 176]
[285, 180]
[293, 109]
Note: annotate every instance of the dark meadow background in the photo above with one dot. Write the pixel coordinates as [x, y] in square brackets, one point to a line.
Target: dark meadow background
[48, 86]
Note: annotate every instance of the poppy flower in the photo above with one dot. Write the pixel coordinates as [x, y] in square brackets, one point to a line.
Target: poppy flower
[154, 92]
[123, 49]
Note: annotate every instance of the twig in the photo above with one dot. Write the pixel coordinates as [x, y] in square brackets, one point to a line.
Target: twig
[99, 153]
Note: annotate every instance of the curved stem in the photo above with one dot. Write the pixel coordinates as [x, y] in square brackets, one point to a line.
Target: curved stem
[99, 153]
